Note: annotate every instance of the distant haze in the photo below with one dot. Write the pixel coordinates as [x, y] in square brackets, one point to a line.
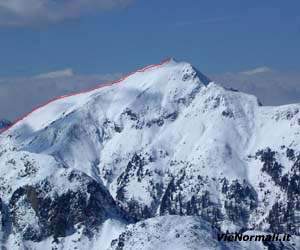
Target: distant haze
[19, 96]
[271, 87]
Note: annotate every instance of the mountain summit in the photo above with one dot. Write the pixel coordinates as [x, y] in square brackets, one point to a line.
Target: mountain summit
[161, 147]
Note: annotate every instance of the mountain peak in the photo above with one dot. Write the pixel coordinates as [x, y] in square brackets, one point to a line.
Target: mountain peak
[189, 68]
[170, 80]
[157, 142]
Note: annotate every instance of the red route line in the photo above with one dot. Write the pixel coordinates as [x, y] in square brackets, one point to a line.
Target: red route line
[86, 91]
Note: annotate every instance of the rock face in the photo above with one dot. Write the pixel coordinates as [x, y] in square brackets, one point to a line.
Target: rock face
[58, 214]
[163, 142]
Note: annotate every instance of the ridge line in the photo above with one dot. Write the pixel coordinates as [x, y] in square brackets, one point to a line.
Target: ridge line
[99, 86]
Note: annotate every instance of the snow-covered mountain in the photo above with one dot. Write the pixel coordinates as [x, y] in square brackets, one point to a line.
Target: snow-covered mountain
[164, 148]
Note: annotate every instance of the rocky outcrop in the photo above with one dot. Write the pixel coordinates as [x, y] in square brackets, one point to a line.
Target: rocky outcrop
[42, 210]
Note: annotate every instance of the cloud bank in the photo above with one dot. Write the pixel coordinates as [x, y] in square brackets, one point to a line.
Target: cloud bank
[258, 70]
[56, 74]
[24, 12]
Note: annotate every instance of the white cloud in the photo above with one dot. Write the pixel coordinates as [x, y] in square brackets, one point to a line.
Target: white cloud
[57, 74]
[23, 12]
[258, 70]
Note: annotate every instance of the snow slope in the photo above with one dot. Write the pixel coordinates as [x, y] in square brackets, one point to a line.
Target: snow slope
[162, 141]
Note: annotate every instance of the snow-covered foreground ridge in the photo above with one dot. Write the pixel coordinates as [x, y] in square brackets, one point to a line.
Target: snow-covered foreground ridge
[163, 141]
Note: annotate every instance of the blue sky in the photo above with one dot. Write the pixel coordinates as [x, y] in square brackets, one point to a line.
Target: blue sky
[215, 36]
